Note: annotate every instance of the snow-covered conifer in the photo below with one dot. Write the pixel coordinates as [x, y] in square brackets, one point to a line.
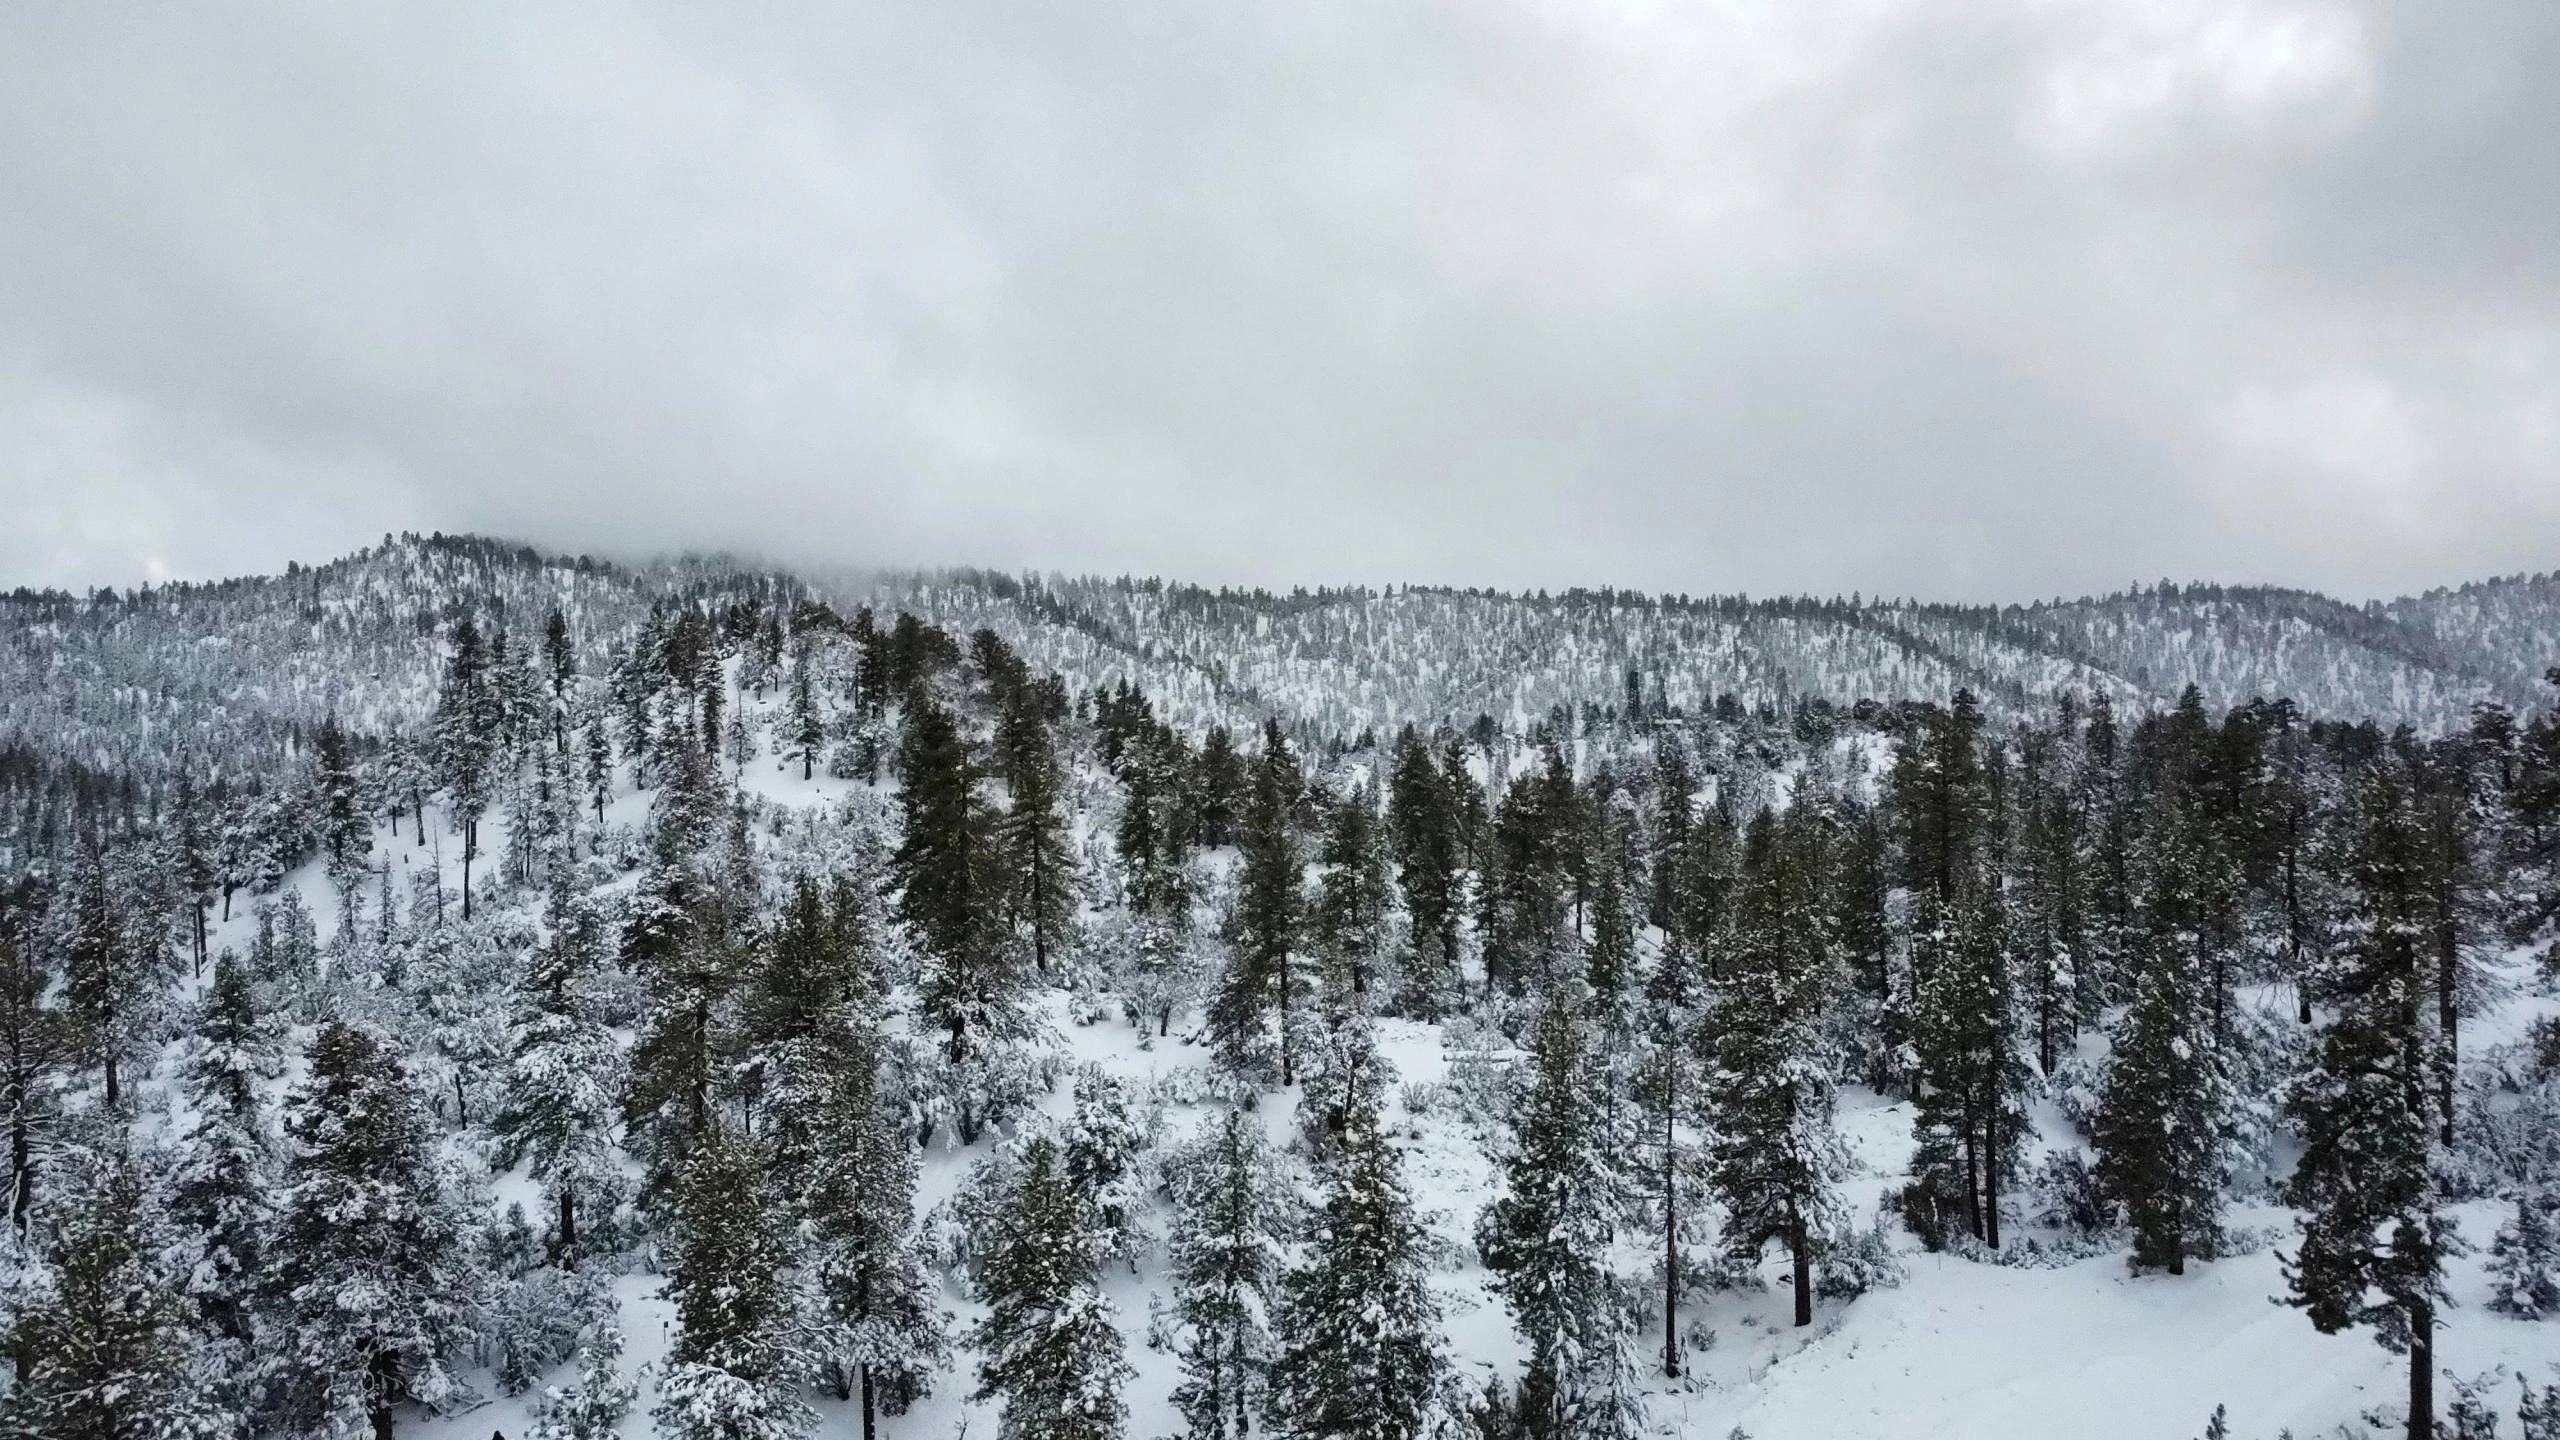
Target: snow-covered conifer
[1225, 1280]
[1050, 1345]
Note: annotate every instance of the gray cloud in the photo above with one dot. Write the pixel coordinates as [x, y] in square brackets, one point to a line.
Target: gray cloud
[1982, 300]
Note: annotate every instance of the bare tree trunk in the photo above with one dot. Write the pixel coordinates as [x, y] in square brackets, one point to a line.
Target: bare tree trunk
[1670, 1240]
[1798, 1242]
[2422, 1372]
[1991, 1176]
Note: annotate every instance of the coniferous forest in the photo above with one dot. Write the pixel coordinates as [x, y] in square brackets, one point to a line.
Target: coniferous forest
[457, 988]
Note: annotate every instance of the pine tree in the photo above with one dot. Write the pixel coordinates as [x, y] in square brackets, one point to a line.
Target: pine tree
[467, 742]
[1050, 1343]
[1610, 963]
[1670, 1095]
[1972, 1113]
[106, 1349]
[1351, 899]
[1547, 1237]
[368, 1278]
[1262, 977]
[1360, 1354]
[593, 1408]
[2168, 1094]
[1225, 1275]
[806, 726]
[565, 1076]
[840, 1158]
[221, 1196]
[106, 987]
[346, 832]
[733, 1372]
[1674, 808]
[1777, 1161]
[952, 894]
[1940, 794]
[1154, 845]
[1034, 830]
[1421, 819]
[2376, 1235]
[192, 858]
[1523, 904]
[560, 676]
[2524, 1261]
[599, 773]
[31, 1047]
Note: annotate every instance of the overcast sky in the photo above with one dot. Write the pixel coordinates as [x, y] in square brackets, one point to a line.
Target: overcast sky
[1982, 299]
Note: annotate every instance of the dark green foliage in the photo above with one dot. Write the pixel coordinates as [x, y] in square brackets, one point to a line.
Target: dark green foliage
[2375, 1237]
[1972, 1111]
[1423, 823]
[1051, 1342]
[1225, 1281]
[1263, 975]
[1776, 1160]
[1546, 1238]
[105, 1348]
[370, 1280]
[1360, 1352]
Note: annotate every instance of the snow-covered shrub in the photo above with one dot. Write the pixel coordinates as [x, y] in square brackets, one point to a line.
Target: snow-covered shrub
[2524, 1260]
[2066, 1193]
[1857, 1262]
[537, 1318]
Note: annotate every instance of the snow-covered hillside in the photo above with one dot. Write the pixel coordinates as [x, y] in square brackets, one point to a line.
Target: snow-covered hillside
[1097, 1009]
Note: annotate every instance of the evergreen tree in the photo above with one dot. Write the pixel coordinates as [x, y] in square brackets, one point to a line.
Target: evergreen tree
[1941, 795]
[1972, 1112]
[1424, 826]
[952, 894]
[1670, 1095]
[193, 860]
[467, 741]
[1034, 831]
[2524, 1261]
[560, 676]
[1222, 786]
[105, 1348]
[599, 774]
[1546, 1238]
[1610, 963]
[107, 988]
[1360, 1351]
[1523, 904]
[346, 831]
[369, 1276]
[565, 1077]
[734, 1370]
[221, 1198]
[1351, 899]
[1225, 1275]
[1262, 977]
[1674, 808]
[2375, 1234]
[2168, 1094]
[1050, 1343]
[1777, 1161]
[31, 1047]
[840, 1158]
[593, 1408]
[805, 725]
[1153, 843]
